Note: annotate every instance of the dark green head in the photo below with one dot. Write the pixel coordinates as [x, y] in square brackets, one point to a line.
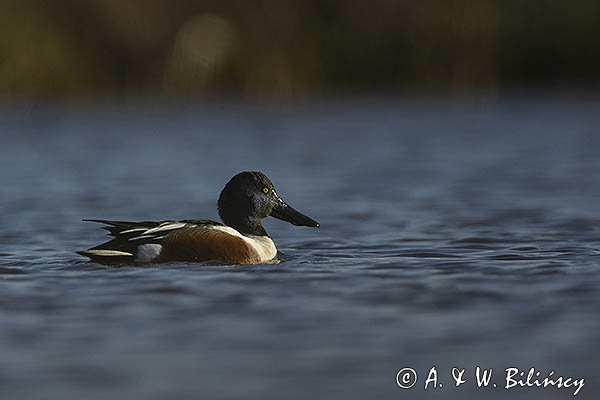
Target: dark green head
[249, 197]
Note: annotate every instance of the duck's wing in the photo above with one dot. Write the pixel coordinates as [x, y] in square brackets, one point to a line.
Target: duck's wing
[129, 237]
[186, 240]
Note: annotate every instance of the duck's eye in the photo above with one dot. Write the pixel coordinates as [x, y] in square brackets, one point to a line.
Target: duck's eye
[265, 190]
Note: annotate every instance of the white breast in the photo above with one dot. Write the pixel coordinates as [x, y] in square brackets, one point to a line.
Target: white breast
[263, 245]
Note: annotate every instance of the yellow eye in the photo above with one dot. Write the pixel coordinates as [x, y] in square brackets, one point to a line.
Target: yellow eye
[265, 190]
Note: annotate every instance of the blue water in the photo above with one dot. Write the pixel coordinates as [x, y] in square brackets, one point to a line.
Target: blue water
[453, 234]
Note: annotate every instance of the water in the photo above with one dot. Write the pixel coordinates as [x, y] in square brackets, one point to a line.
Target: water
[453, 235]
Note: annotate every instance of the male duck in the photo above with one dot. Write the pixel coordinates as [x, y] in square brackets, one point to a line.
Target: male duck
[246, 199]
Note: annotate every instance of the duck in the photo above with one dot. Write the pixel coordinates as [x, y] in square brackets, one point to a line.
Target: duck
[244, 202]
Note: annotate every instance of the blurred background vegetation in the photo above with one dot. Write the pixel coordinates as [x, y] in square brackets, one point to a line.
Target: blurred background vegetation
[95, 48]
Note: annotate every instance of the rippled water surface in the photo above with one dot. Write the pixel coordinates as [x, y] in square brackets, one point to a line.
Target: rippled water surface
[453, 235]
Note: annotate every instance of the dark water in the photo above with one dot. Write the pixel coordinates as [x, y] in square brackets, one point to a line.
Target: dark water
[453, 235]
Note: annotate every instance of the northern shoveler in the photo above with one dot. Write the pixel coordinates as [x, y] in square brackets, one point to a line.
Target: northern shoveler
[246, 199]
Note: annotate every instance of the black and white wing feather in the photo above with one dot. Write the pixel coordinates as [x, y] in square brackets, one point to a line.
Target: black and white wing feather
[136, 241]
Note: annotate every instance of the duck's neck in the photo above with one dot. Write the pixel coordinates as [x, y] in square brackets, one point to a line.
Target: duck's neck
[247, 226]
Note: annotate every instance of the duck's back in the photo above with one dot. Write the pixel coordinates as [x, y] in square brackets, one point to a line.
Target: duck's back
[187, 240]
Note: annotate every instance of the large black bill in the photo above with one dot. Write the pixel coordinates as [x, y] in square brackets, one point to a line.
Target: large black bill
[286, 213]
